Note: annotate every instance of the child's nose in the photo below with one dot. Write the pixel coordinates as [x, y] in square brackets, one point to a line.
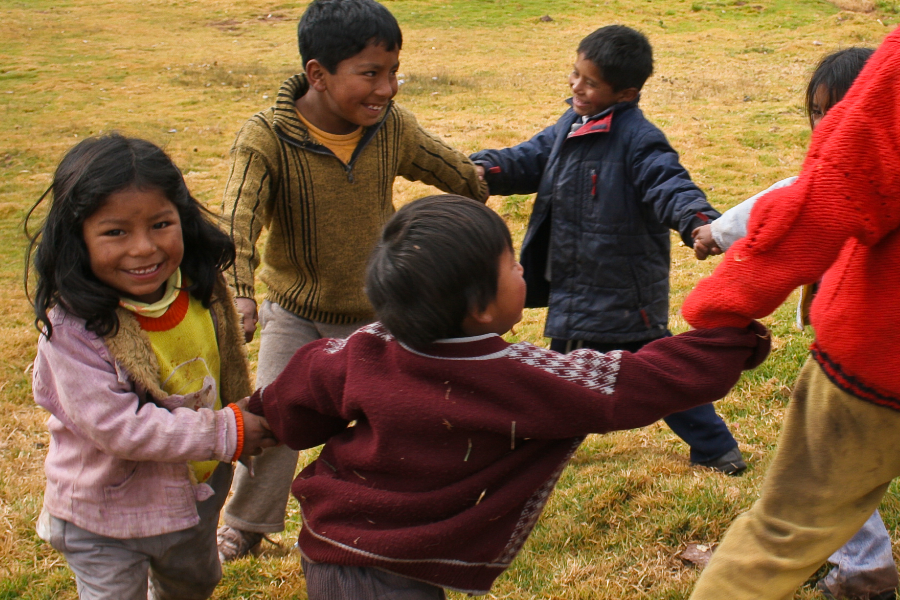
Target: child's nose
[142, 244]
[387, 87]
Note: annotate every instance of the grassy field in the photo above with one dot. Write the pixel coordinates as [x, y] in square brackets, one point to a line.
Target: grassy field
[482, 73]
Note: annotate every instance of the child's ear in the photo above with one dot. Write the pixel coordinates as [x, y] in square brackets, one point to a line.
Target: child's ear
[477, 322]
[628, 94]
[482, 317]
[315, 75]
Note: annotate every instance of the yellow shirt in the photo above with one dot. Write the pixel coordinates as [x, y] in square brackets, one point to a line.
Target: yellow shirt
[184, 341]
[342, 145]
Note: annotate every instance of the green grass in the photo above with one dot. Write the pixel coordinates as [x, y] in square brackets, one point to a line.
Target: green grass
[727, 90]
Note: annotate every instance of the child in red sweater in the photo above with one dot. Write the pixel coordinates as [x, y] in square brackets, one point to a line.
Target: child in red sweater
[840, 445]
[864, 567]
[442, 440]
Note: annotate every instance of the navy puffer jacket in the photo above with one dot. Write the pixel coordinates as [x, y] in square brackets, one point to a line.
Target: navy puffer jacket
[607, 196]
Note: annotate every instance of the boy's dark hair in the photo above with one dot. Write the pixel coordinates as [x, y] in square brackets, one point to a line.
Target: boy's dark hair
[85, 178]
[624, 56]
[836, 72]
[438, 258]
[334, 30]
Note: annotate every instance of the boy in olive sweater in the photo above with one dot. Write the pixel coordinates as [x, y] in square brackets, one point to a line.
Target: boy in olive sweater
[317, 171]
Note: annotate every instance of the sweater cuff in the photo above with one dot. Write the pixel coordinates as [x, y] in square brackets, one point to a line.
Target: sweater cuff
[239, 431]
[242, 290]
[256, 405]
[717, 236]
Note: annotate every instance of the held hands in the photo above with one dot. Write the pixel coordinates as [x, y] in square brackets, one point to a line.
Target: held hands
[763, 345]
[479, 170]
[247, 309]
[257, 435]
[704, 244]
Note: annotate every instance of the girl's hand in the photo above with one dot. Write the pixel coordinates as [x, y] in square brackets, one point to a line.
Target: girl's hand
[257, 434]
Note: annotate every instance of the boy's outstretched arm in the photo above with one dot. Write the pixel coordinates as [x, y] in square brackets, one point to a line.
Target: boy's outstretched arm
[300, 406]
[522, 390]
[623, 390]
[518, 169]
[679, 372]
[666, 187]
[425, 157]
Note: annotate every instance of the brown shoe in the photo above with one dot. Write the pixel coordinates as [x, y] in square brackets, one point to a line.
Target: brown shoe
[234, 543]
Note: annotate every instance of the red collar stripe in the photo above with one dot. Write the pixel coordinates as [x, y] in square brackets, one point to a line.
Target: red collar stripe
[595, 126]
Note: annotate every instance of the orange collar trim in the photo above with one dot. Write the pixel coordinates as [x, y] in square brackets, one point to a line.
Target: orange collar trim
[173, 316]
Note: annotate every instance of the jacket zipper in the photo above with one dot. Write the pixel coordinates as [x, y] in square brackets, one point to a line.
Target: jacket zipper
[319, 149]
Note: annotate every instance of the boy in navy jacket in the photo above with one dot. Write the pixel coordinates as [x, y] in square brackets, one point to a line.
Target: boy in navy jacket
[609, 187]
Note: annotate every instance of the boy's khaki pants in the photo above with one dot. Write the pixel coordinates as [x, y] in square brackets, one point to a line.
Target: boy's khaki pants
[259, 502]
[835, 458]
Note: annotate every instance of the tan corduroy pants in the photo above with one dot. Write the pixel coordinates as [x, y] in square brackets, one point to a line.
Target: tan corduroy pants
[835, 458]
[259, 502]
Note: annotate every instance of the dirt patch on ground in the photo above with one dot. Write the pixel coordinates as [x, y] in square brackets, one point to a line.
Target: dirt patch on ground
[863, 6]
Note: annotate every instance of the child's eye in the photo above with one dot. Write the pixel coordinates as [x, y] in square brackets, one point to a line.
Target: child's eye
[114, 232]
[162, 224]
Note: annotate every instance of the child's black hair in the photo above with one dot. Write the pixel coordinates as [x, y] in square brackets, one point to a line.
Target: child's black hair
[624, 56]
[85, 178]
[334, 30]
[836, 72]
[438, 258]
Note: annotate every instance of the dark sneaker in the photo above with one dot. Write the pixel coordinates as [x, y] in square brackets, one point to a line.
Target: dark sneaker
[234, 543]
[730, 463]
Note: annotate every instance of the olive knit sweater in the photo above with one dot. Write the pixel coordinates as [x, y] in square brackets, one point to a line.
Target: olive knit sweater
[840, 221]
[324, 216]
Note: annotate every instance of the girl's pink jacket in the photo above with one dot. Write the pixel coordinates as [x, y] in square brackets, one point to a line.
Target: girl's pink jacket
[117, 462]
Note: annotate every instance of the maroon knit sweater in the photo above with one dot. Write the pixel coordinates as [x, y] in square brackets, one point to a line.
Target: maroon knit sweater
[454, 451]
[839, 219]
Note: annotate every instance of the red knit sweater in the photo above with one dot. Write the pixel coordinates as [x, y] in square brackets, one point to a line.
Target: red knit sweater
[455, 450]
[839, 221]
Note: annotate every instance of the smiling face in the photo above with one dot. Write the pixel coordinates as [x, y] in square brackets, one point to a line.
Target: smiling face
[591, 94]
[355, 95]
[134, 243]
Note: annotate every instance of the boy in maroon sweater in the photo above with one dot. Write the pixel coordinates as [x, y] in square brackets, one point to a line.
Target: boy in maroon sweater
[443, 441]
